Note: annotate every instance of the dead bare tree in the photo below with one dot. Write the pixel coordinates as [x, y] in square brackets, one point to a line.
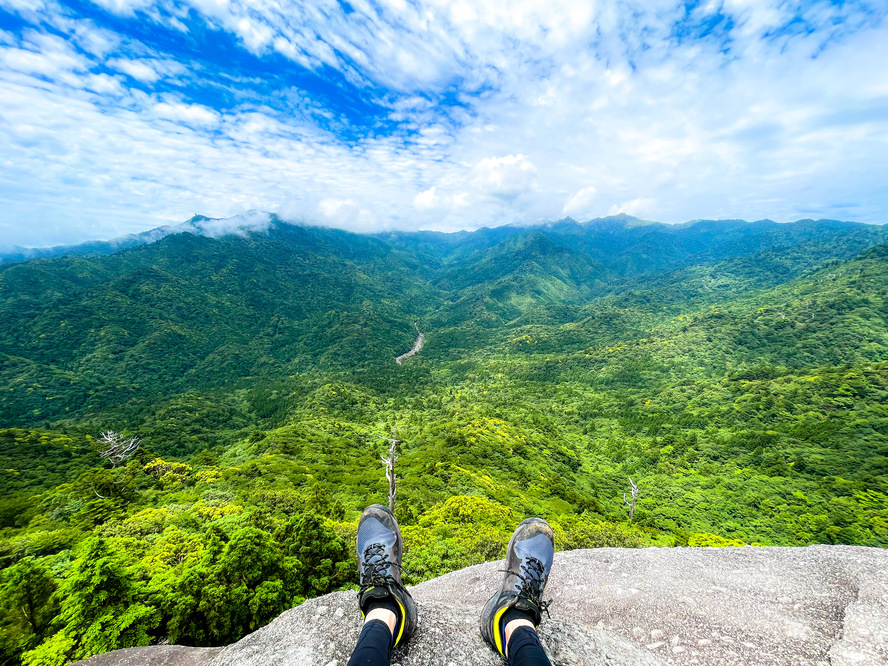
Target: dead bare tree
[117, 447]
[633, 489]
[389, 461]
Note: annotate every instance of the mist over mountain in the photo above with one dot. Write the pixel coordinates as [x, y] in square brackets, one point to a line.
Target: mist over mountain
[198, 224]
[598, 233]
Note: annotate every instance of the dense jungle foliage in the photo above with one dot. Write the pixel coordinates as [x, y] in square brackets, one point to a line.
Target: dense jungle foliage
[736, 372]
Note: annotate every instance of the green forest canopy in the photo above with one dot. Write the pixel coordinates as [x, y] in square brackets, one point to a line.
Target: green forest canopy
[738, 373]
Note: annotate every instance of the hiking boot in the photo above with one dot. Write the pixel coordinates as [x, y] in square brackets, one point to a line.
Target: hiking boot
[379, 565]
[528, 563]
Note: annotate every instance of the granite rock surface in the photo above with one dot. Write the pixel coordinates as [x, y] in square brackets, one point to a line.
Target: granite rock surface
[819, 605]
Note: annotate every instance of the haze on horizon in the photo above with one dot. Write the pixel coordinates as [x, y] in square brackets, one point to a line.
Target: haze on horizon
[119, 116]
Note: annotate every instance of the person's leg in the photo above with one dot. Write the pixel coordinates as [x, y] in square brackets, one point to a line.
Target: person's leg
[510, 617]
[374, 646]
[388, 609]
[524, 648]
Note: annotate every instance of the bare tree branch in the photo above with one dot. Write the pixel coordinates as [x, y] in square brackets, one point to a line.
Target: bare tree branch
[119, 448]
[389, 462]
[633, 489]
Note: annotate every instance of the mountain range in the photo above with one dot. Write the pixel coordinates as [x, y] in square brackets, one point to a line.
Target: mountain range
[735, 372]
[190, 311]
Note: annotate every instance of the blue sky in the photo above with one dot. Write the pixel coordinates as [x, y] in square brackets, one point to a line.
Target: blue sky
[117, 116]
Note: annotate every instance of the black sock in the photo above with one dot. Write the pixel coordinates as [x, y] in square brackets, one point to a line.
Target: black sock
[388, 602]
[513, 614]
[516, 614]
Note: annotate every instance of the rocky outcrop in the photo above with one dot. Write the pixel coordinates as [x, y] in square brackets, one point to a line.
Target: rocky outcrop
[820, 605]
[417, 346]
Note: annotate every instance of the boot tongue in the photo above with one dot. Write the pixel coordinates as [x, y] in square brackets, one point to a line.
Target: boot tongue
[377, 592]
[373, 593]
[527, 606]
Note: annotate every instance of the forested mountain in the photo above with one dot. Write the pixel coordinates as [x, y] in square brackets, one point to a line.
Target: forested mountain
[737, 372]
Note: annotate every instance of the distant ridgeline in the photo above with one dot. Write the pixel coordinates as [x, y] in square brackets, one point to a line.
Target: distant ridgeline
[737, 372]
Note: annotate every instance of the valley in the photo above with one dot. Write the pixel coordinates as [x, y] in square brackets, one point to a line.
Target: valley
[737, 372]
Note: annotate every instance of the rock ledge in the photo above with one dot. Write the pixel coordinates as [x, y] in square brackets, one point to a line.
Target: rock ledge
[820, 605]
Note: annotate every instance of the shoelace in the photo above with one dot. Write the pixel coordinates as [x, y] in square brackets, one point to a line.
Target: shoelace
[532, 583]
[376, 573]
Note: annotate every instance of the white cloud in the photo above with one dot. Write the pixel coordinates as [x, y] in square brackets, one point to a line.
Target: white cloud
[123, 7]
[239, 224]
[141, 70]
[189, 114]
[581, 204]
[23, 5]
[425, 200]
[507, 176]
[146, 70]
[255, 34]
[638, 207]
[345, 213]
[563, 108]
[43, 55]
[88, 37]
[449, 201]
[103, 84]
